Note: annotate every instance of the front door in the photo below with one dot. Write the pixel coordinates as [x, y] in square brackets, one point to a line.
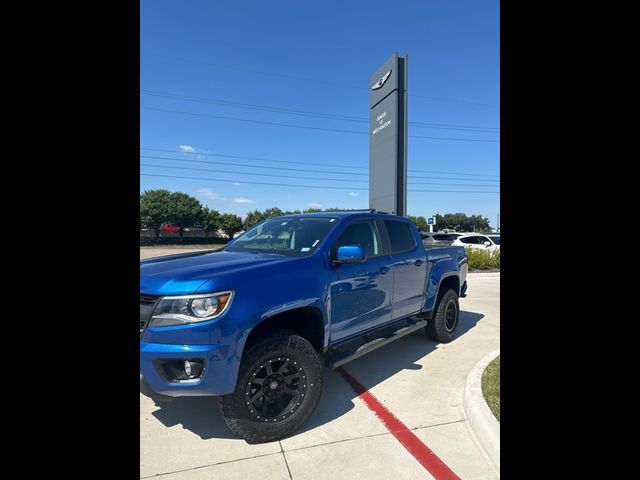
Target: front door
[361, 293]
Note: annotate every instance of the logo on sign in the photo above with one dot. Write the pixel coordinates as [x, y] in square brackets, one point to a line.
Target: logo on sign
[431, 221]
[380, 82]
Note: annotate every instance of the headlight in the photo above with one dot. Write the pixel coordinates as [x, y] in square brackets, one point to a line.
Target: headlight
[190, 308]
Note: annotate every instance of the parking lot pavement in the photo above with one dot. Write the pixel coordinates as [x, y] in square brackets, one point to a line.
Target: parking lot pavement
[419, 381]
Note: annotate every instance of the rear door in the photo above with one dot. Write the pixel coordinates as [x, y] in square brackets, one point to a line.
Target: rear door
[361, 293]
[409, 268]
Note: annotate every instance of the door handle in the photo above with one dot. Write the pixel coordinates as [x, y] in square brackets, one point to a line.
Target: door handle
[384, 270]
[417, 263]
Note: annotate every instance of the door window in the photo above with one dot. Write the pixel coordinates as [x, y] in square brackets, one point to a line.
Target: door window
[400, 235]
[364, 234]
[472, 240]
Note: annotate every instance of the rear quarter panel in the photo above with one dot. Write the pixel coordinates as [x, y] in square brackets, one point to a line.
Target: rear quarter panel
[443, 262]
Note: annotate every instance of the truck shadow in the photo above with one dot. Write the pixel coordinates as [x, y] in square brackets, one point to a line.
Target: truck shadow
[202, 416]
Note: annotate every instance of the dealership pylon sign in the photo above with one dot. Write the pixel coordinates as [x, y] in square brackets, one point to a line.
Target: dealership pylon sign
[388, 137]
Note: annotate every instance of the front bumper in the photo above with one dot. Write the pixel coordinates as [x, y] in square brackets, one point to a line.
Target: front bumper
[218, 377]
[145, 389]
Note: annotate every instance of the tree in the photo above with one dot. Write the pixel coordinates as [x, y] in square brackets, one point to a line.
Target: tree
[479, 223]
[211, 220]
[253, 218]
[420, 222]
[273, 212]
[461, 222]
[185, 210]
[155, 208]
[312, 210]
[230, 224]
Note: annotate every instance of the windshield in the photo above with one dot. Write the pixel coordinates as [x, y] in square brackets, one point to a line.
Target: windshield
[296, 237]
[495, 238]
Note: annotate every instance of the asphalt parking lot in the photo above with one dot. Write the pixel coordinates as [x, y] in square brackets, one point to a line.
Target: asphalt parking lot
[418, 381]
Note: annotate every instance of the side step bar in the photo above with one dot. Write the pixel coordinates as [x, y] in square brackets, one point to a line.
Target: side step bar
[339, 358]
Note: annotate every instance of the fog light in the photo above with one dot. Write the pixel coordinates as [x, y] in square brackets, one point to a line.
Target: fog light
[180, 370]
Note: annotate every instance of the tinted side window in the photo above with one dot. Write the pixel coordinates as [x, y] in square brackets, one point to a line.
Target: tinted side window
[400, 235]
[470, 240]
[443, 238]
[363, 234]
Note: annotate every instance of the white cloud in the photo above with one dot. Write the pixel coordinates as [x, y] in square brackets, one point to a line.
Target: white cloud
[353, 194]
[315, 205]
[237, 184]
[210, 194]
[242, 200]
[186, 148]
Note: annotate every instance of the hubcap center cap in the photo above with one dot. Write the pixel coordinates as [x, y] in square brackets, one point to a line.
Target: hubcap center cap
[273, 385]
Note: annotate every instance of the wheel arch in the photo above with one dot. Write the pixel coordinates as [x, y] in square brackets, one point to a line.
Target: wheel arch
[307, 322]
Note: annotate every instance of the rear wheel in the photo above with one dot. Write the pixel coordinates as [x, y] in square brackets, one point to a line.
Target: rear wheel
[445, 319]
[278, 388]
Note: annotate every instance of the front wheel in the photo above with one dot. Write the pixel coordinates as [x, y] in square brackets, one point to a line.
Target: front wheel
[278, 388]
[445, 319]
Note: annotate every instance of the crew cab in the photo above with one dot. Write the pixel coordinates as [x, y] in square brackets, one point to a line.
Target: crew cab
[253, 323]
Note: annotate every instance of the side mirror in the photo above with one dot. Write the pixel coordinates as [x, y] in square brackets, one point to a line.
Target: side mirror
[487, 243]
[349, 254]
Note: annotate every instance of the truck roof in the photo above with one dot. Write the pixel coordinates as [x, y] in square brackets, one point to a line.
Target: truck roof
[342, 213]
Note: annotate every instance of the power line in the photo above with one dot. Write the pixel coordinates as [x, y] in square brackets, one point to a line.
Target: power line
[306, 171]
[455, 101]
[278, 124]
[252, 158]
[259, 72]
[462, 139]
[454, 173]
[309, 79]
[296, 185]
[250, 166]
[262, 159]
[154, 93]
[253, 174]
[306, 113]
[298, 176]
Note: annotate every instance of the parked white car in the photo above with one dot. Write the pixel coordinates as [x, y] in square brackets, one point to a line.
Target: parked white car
[478, 241]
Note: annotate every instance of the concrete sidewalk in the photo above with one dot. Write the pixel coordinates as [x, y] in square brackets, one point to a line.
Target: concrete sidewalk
[419, 381]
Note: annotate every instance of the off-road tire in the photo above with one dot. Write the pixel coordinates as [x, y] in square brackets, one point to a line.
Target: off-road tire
[241, 418]
[438, 328]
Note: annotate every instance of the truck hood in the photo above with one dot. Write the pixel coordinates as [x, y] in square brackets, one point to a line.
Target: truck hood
[183, 274]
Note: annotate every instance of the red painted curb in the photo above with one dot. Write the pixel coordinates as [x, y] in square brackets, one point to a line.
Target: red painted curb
[429, 460]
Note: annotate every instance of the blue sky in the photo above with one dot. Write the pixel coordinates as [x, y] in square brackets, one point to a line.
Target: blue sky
[317, 57]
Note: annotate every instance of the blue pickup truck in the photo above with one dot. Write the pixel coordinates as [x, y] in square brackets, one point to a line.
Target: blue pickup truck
[253, 323]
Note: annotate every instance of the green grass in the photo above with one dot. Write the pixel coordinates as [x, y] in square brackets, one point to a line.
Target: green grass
[483, 259]
[491, 386]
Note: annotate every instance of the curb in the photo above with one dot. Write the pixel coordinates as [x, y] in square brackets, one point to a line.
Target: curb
[483, 424]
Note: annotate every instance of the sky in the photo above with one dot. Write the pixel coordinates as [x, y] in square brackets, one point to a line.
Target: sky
[250, 91]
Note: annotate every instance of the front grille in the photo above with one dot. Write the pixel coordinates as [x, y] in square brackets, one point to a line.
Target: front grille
[147, 302]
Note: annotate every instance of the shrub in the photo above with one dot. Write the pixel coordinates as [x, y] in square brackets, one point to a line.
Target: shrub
[483, 259]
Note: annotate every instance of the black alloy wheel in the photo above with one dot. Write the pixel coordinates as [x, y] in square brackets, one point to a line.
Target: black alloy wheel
[276, 389]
